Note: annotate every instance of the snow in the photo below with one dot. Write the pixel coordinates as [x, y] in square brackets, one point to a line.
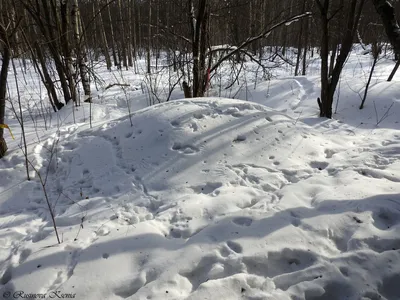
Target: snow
[209, 198]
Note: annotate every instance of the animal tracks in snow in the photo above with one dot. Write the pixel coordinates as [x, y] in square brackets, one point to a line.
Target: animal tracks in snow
[377, 174]
[320, 165]
[224, 167]
[131, 287]
[390, 287]
[242, 221]
[67, 270]
[185, 149]
[262, 178]
[278, 263]
[16, 257]
[212, 267]
[234, 246]
[210, 188]
[385, 218]
[282, 267]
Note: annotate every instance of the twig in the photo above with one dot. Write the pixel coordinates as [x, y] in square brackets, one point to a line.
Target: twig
[385, 115]
[117, 84]
[46, 197]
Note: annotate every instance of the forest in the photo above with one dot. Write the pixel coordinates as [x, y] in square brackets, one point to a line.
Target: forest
[65, 38]
[199, 149]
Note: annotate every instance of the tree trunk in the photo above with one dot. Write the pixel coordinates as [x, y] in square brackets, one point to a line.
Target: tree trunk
[123, 41]
[199, 33]
[369, 81]
[66, 49]
[305, 46]
[51, 40]
[36, 52]
[149, 40]
[329, 83]
[48, 83]
[325, 104]
[394, 71]
[387, 14]
[104, 40]
[6, 57]
[134, 39]
[332, 58]
[129, 24]
[80, 50]
[186, 90]
[114, 53]
[300, 41]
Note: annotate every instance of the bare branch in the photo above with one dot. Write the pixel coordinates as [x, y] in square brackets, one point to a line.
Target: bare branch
[260, 36]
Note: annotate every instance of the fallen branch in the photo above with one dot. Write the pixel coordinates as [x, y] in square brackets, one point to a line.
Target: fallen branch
[258, 37]
[116, 84]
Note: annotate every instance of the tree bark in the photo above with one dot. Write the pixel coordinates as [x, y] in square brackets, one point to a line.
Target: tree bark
[48, 83]
[300, 41]
[199, 34]
[6, 57]
[104, 39]
[305, 46]
[80, 50]
[325, 105]
[329, 82]
[123, 41]
[369, 80]
[394, 71]
[66, 50]
[148, 51]
[387, 14]
[129, 24]
[114, 54]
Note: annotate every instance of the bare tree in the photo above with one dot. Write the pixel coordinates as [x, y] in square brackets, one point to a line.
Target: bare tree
[7, 33]
[387, 14]
[80, 50]
[329, 81]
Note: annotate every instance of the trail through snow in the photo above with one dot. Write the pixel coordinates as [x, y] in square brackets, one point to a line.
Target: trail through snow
[209, 198]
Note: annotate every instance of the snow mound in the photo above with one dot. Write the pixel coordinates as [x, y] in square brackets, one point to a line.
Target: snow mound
[211, 199]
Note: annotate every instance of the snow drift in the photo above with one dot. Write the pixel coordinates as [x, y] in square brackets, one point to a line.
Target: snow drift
[208, 199]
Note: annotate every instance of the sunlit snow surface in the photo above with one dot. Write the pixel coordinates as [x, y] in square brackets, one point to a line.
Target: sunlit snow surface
[209, 198]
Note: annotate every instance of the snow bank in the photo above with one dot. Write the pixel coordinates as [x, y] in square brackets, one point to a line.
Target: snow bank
[206, 199]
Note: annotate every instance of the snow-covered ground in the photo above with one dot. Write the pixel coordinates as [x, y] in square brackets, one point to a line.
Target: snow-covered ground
[209, 198]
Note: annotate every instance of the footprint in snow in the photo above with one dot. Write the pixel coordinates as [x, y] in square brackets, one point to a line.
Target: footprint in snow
[240, 138]
[320, 165]
[24, 255]
[129, 288]
[194, 127]
[289, 260]
[385, 218]
[329, 153]
[198, 116]
[388, 143]
[40, 235]
[390, 287]
[208, 188]
[175, 123]
[242, 221]
[185, 149]
[234, 246]
[7, 276]
[70, 146]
